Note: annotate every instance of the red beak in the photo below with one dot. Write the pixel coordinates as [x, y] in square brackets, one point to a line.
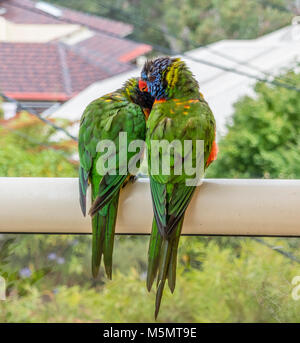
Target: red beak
[143, 86]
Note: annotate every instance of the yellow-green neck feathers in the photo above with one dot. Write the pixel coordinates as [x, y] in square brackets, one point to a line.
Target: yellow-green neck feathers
[179, 80]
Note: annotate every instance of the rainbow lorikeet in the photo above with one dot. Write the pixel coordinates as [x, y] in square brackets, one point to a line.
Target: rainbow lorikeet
[178, 113]
[122, 111]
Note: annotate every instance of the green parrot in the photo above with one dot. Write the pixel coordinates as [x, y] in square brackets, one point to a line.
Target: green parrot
[104, 119]
[179, 113]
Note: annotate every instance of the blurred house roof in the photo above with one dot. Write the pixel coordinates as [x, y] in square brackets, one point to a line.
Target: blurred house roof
[46, 71]
[58, 69]
[29, 12]
[270, 54]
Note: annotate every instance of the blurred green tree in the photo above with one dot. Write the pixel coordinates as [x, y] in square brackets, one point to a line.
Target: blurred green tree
[254, 286]
[263, 138]
[192, 22]
[1, 109]
[27, 149]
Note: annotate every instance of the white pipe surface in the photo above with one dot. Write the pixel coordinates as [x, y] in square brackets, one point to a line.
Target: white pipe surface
[220, 207]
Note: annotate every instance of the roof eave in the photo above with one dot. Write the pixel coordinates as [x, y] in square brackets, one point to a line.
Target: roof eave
[38, 96]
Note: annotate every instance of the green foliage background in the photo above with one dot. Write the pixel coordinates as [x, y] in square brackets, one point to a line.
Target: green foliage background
[263, 140]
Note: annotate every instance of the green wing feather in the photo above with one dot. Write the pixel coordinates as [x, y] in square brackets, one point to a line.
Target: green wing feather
[104, 119]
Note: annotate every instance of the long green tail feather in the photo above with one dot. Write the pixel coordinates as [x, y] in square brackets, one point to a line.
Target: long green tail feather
[173, 260]
[103, 224]
[163, 272]
[167, 264]
[153, 255]
[109, 239]
[98, 224]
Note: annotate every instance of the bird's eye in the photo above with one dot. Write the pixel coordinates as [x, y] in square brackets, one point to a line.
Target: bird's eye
[151, 78]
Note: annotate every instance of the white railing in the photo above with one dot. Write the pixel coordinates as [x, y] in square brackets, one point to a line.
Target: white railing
[220, 207]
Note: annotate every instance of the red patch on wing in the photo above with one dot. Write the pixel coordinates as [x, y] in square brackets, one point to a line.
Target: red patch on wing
[213, 154]
[160, 101]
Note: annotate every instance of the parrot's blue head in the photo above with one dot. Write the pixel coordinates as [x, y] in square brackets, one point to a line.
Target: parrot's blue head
[153, 77]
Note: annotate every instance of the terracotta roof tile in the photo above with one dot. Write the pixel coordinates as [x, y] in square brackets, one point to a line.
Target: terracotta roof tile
[37, 69]
[56, 71]
[105, 49]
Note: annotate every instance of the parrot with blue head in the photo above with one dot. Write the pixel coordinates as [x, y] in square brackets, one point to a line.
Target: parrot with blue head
[179, 113]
